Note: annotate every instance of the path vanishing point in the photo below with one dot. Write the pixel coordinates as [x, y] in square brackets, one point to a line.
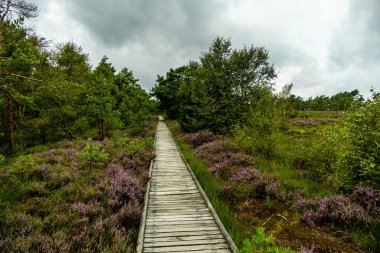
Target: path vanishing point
[177, 215]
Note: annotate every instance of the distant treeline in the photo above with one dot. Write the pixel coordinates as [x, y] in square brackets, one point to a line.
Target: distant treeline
[52, 93]
[341, 101]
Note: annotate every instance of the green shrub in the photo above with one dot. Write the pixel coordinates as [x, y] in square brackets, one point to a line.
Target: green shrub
[23, 167]
[2, 160]
[136, 145]
[92, 155]
[319, 157]
[360, 163]
[261, 243]
[256, 135]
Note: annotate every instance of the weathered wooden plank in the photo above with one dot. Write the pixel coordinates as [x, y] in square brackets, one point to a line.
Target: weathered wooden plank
[177, 209]
[187, 233]
[184, 238]
[175, 223]
[177, 219]
[187, 247]
[152, 229]
[203, 241]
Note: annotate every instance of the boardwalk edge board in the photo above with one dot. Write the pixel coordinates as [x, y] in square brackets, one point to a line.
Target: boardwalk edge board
[140, 240]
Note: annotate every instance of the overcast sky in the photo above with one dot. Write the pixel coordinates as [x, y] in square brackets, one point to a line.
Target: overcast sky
[321, 46]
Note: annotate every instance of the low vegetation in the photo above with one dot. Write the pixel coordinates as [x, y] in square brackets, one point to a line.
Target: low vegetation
[76, 143]
[76, 196]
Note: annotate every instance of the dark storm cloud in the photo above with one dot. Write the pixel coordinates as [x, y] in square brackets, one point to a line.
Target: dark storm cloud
[322, 46]
[176, 22]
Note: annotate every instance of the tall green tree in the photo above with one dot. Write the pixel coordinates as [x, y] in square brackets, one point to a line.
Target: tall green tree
[11, 54]
[133, 103]
[166, 91]
[20, 60]
[99, 109]
[225, 84]
[64, 93]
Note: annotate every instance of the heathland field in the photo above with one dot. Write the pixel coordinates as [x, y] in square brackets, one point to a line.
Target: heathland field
[77, 141]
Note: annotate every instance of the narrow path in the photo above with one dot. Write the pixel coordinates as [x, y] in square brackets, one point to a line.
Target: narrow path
[178, 216]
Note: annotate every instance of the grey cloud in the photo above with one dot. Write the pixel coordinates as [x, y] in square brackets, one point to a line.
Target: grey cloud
[357, 39]
[118, 21]
[168, 33]
[150, 36]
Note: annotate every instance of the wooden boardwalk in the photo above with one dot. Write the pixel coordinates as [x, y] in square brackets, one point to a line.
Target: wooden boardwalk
[177, 215]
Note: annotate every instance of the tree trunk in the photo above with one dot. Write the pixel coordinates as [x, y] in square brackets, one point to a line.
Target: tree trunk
[3, 127]
[10, 126]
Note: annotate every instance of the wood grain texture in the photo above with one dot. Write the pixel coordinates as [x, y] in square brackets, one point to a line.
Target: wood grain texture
[177, 216]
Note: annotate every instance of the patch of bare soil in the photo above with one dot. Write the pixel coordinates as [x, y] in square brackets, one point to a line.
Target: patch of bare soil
[281, 222]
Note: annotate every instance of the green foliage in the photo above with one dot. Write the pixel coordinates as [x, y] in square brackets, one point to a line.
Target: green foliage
[72, 62]
[297, 217]
[166, 91]
[320, 154]
[216, 93]
[262, 243]
[54, 94]
[92, 155]
[2, 160]
[341, 101]
[256, 135]
[138, 144]
[269, 202]
[360, 162]
[99, 107]
[23, 167]
[133, 102]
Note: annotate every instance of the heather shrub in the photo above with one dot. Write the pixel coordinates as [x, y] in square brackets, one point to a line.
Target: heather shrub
[215, 147]
[60, 209]
[307, 250]
[87, 209]
[358, 214]
[248, 176]
[213, 152]
[249, 183]
[138, 161]
[124, 187]
[69, 154]
[336, 210]
[222, 169]
[198, 138]
[367, 197]
[59, 177]
[231, 162]
[92, 155]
